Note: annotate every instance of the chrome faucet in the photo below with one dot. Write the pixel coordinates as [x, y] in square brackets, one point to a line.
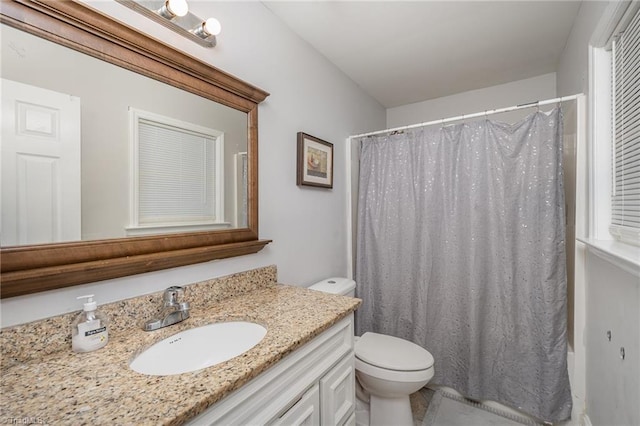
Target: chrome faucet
[173, 310]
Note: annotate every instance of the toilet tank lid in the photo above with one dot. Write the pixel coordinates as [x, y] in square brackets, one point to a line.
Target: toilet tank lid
[335, 285]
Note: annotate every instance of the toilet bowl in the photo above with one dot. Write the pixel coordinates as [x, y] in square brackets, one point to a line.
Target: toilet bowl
[388, 368]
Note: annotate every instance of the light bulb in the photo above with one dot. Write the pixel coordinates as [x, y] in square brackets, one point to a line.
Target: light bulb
[212, 26]
[173, 8]
[178, 7]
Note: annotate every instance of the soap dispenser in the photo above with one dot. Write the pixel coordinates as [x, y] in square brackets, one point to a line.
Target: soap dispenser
[89, 330]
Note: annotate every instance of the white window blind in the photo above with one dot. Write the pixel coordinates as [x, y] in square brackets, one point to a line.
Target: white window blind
[176, 178]
[625, 203]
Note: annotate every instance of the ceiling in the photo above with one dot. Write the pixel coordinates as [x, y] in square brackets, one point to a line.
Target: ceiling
[404, 52]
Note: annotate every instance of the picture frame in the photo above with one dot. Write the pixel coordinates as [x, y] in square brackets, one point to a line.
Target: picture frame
[315, 161]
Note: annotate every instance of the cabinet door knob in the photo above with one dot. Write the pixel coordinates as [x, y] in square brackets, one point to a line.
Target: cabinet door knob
[622, 353]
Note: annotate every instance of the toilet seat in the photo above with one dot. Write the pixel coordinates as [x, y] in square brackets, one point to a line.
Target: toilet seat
[392, 353]
[394, 375]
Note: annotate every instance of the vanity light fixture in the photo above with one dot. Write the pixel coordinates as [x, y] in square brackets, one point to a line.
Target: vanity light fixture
[175, 15]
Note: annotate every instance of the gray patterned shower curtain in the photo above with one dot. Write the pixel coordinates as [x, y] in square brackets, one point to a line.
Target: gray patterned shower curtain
[460, 249]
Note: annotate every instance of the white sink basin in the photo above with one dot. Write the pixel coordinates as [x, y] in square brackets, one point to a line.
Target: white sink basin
[198, 348]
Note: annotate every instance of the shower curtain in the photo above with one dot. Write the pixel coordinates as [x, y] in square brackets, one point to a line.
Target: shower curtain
[460, 249]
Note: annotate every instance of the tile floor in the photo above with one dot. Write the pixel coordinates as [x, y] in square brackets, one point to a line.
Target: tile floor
[419, 404]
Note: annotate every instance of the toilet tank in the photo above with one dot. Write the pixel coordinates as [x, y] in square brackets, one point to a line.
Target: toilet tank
[342, 286]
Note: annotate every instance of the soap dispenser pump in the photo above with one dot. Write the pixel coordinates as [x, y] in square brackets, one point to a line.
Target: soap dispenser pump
[89, 330]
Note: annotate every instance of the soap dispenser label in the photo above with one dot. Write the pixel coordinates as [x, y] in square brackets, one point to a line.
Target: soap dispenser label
[96, 331]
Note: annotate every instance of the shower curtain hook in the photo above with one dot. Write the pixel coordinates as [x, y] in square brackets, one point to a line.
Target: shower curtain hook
[537, 106]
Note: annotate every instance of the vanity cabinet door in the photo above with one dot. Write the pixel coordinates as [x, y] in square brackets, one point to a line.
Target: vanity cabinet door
[305, 412]
[338, 393]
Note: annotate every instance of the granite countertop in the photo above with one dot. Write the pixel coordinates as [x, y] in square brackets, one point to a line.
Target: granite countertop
[98, 387]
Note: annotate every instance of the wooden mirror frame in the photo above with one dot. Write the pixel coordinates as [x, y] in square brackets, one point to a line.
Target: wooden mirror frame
[36, 268]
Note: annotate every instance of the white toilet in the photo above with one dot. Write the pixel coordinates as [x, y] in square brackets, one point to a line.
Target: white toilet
[389, 369]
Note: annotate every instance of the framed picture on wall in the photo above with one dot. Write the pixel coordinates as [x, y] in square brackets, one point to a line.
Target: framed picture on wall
[315, 161]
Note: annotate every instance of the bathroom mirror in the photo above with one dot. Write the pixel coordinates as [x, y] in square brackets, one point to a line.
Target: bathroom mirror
[67, 42]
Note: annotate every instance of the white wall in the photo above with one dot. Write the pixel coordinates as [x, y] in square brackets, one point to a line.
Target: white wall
[572, 75]
[307, 225]
[613, 304]
[504, 95]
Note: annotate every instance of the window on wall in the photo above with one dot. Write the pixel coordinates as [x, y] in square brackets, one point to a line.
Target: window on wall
[177, 175]
[625, 88]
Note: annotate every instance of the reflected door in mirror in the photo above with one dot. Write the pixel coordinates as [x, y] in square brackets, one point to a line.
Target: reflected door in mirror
[40, 165]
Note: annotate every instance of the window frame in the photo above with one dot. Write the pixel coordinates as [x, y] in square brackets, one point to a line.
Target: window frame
[136, 226]
[602, 143]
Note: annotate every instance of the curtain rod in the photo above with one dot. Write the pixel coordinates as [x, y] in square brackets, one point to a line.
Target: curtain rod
[474, 115]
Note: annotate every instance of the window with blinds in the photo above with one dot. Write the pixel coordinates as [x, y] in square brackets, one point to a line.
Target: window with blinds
[625, 203]
[177, 173]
